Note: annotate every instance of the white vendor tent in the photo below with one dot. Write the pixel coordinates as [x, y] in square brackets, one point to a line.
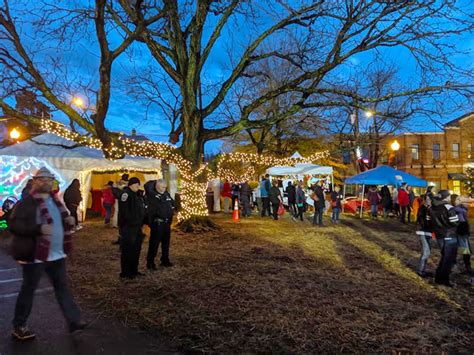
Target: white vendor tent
[300, 169]
[68, 162]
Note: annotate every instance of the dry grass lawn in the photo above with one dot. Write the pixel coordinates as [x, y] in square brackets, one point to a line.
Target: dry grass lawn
[261, 286]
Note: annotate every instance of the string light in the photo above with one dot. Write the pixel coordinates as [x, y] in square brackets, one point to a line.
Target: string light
[192, 191]
[193, 194]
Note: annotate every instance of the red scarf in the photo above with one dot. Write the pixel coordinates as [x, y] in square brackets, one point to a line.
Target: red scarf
[43, 243]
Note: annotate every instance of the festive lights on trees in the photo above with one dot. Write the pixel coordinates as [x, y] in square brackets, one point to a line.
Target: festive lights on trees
[193, 183]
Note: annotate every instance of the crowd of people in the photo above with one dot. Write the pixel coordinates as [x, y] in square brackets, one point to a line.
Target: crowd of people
[42, 226]
[440, 216]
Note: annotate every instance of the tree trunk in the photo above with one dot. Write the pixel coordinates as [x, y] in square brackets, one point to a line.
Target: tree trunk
[193, 140]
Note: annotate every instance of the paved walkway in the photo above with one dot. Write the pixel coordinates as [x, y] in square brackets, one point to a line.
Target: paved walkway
[104, 336]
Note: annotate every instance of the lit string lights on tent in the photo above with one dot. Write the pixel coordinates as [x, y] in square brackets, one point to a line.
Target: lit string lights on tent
[259, 160]
[192, 191]
[15, 172]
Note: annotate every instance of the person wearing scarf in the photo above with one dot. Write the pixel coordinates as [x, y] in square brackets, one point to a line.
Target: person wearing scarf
[42, 238]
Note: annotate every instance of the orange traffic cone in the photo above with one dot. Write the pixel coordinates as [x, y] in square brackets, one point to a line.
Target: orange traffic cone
[235, 215]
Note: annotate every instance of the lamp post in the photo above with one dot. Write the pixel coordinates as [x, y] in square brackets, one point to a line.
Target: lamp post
[15, 135]
[395, 146]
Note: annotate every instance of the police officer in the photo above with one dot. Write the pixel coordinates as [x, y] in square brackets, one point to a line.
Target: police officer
[130, 220]
[160, 207]
[444, 221]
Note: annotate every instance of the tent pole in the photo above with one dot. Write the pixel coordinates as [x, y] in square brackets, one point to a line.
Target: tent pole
[362, 200]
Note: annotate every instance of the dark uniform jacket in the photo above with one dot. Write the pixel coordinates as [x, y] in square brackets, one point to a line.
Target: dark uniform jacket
[159, 206]
[22, 224]
[131, 209]
[444, 219]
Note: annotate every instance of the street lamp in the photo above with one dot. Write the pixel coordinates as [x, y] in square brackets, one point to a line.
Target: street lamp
[14, 134]
[368, 113]
[395, 145]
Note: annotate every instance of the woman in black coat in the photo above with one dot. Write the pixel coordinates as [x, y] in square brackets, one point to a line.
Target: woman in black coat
[72, 198]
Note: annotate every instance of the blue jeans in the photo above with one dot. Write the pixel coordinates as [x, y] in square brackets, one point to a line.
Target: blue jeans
[335, 213]
[108, 212]
[318, 214]
[373, 210]
[449, 248]
[425, 240]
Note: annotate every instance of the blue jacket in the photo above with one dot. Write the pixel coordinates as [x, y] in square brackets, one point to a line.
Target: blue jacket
[264, 188]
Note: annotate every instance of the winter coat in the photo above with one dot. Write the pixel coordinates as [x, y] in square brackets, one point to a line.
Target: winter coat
[72, 195]
[321, 203]
[423, 219]
[264, 188]
[336, 199]
[411, 198]
[108, 196]
[245, 190]
[463, 227]
[273, 195]
[226, 190]
[444, 219]
[291, 192]
[403, 199]
[300, 198]
[159, 206]
[386, 197]
[373, 197]
[131, 209]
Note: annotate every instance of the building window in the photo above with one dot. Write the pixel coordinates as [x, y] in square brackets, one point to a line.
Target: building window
[469, 151]
[436, 151]
[455, 150]
[457, 187]
[415, 152]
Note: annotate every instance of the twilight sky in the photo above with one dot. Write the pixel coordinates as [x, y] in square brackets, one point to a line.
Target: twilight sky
[79, 62]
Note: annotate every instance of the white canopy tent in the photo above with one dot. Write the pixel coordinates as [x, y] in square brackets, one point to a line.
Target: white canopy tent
[68, 162]
[301, 170]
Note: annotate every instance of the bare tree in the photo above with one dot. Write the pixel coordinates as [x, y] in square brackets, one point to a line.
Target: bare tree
[182, 38]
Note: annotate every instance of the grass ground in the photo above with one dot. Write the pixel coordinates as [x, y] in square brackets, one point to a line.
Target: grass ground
[285, 286]
[261, 285]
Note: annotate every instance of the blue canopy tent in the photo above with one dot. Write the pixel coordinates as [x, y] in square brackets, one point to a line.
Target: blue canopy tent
[383, 175]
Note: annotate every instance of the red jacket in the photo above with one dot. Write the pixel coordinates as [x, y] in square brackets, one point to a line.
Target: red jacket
[403, 199]
[226, 190]
[108, 196]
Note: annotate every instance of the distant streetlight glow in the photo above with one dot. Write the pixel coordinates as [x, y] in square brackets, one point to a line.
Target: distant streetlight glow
[395, 145]
[14, 134]
[78, 102]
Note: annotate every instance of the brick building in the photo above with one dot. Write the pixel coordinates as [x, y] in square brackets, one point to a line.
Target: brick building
[441, 158]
